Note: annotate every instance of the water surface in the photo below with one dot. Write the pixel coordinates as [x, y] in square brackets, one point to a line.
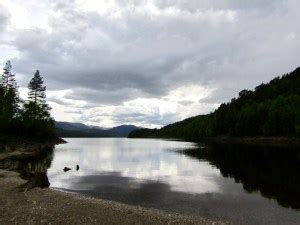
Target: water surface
[246, 185]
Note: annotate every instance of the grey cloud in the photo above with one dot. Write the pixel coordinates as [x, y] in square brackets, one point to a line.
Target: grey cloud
[4, 17]
[65, 101]
[136, 118]
[185, 103]
[59, 101]
[75, 111]
[103, 95]
[107, 60]
[193, 5]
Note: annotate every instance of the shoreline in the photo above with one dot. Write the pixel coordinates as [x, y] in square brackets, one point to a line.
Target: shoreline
[293, 142]
[12, 144]
[52, 206]
[37, 205]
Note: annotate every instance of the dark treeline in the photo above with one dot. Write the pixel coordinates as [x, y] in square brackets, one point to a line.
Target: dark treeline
[30, 118]
[272, 109]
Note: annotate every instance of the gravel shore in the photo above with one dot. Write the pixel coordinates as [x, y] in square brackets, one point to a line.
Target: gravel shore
[46, 206]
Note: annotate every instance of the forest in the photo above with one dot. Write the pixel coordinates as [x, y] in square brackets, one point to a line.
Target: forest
[24, 118]
[271, 109]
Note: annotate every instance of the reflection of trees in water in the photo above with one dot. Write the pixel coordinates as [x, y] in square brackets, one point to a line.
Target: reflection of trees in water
[272, 171]
[34, 169]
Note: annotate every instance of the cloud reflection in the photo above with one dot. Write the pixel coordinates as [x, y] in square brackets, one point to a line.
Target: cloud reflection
[140, 161]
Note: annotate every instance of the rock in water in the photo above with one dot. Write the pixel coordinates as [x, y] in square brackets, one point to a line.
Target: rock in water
[77, 167]
[66, 169]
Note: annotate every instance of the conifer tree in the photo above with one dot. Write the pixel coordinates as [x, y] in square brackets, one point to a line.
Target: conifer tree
[36, 107]
[9, 105]
[8, 78]
[37, 90]
[36, 112]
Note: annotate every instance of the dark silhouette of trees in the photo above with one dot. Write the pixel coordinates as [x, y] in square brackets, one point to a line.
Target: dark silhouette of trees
[272, 109]
[9, 104]
[31, 118]
[36, 115]
[8, 78]
[37, 89]
[36, 108]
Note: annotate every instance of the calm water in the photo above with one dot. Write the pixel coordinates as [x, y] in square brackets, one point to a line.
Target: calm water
[244, 185]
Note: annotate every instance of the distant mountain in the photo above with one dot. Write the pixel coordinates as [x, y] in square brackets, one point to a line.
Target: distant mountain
[123, 130]
[71, 126]
[68, 129]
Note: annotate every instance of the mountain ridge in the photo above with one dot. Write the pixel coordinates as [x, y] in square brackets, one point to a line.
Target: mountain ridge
[70, 129]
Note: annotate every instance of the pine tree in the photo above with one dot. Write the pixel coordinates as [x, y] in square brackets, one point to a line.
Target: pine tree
[37, 89]
[9, 94]
[39, 109]
[8, 78]
[36, 113]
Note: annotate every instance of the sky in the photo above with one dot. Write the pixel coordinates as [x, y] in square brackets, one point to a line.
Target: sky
[147, 63]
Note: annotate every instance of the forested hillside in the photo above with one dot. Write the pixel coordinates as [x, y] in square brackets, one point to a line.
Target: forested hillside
[272, 109]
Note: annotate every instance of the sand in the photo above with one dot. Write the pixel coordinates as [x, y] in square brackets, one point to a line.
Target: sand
[47, 206]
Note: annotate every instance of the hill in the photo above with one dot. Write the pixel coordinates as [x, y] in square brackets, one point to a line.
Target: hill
[271, 109]
[67, 129]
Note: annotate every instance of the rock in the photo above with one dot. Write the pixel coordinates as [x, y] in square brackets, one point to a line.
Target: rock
[66, 169]
[35, 180]
[77, 167]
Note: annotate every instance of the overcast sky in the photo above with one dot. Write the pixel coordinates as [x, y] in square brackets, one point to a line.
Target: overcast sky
[148, 63]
